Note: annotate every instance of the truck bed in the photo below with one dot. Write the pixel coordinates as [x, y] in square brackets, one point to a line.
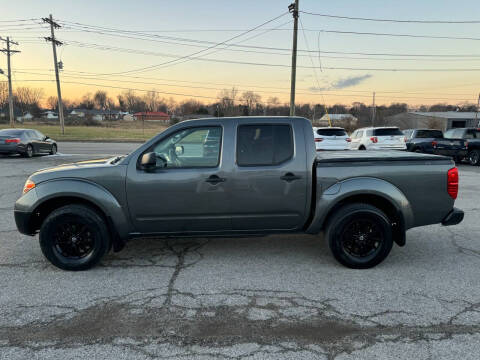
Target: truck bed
[375, 156]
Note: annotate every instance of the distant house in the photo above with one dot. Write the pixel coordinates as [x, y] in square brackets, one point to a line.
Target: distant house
[343, 120]
[443, 120]
[50, 114]
[25, 117]
[152, 116]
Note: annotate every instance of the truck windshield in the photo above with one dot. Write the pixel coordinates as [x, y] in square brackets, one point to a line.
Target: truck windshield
[387, 132]
[429, 134]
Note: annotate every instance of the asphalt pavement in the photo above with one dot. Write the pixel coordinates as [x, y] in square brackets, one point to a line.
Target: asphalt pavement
[276, 297]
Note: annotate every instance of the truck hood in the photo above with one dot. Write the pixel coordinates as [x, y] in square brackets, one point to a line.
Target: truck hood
[82, 169]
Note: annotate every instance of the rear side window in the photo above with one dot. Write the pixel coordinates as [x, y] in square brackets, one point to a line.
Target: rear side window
[454, 134]
[331, 132]
[264, 144]
[16, 133]
[422, 134]
[387, 132]
[359, 134]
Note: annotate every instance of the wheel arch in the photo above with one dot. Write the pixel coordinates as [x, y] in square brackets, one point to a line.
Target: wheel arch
[376, 192]
[57, 193]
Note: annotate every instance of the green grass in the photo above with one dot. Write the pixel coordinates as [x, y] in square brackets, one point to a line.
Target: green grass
[116, 132]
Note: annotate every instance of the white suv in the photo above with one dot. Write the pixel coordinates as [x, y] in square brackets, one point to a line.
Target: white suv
[331, 138]
[378, 138]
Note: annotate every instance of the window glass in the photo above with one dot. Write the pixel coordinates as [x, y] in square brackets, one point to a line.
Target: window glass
[449, 134]
[39, 135]
[387, 132]
[264, 144]
[429, 134]
[31, 135]
[360, 133]
[194, 147]
[471, 134]
[8, 132]
[331, 132]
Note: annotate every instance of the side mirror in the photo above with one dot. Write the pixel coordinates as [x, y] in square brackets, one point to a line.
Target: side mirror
[179, 150]
[148, 161]
[46, 138]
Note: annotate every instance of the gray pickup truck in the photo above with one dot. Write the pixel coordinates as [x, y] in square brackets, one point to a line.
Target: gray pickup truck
[237, 177]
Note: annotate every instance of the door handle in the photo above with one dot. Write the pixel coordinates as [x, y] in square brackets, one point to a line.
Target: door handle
[289, 177]
[215, 179]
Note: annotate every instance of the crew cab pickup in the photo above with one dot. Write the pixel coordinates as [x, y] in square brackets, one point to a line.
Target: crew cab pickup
[237, 177]
[432, 141]
[471, 138]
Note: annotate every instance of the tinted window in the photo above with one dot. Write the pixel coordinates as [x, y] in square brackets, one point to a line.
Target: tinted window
[407, 133]
[194, 147]
[39, 135]
[11, 133]
[454, 134]
[387, 132]
[331, 132]
[264, 144]
[429, 134]
[472, 134]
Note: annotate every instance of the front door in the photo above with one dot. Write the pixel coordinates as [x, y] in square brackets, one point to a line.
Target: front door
[269, 181]
[186, 192]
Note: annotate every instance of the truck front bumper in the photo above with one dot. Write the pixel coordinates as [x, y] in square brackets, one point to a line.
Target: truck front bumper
[454, 217]
[22, 220]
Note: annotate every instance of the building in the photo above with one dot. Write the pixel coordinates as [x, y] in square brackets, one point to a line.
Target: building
[434, 120]
[50, 114]
[152, 116]
[342, 120]
[98, 115]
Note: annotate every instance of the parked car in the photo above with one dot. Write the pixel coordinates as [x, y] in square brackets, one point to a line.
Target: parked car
[26, 142]
[266, 178]
[431, 141]
[378, 138]
[331, 138]
[471, 138]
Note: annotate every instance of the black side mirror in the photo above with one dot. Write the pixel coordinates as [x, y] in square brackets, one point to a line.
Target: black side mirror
[148, 161]
[46, 138]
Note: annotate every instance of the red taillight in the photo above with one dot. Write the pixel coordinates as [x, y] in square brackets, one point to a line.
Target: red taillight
[466, 144]
[318, 139]
[374, 139]
[434, 144]
[348, 140]
[10, 141]
[404, 139]
[452, 182]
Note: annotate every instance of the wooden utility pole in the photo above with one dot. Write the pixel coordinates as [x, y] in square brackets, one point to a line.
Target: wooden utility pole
[8, 51]
[374, 110]
[55, 43]
[476, 114]
[293, 8]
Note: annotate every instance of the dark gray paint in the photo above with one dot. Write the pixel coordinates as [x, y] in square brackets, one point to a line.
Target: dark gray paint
[252, 199]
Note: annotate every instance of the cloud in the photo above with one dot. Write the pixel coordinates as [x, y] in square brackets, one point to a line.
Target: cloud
[343, 83]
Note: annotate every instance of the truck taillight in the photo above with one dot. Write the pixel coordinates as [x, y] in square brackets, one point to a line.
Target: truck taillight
[348, 140]
[434, 144]
[12, 141]
[452, 182]
[318, 139]
[374, 139]
[466, 144]
[404, 139]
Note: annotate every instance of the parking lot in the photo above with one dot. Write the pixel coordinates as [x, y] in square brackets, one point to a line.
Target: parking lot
[276, 297]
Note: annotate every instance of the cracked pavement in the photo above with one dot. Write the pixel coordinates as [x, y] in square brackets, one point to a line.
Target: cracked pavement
[276, 297]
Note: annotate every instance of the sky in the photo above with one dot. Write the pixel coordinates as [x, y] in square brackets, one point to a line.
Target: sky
[109, 43]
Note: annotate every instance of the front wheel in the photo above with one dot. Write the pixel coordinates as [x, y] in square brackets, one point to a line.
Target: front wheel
[474, 157]
[359, 236]
[74, 237]
[53, 151]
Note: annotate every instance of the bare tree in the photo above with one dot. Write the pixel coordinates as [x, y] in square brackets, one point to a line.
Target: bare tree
[28, 99]
[3, 94]
[87, 102]
[227, 100]
[52, 102]
[251, 100]
[100, 99]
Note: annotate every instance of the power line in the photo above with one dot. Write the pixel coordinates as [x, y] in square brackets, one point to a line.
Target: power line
[394, 20]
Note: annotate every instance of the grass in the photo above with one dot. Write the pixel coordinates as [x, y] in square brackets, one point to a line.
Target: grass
[117, 131]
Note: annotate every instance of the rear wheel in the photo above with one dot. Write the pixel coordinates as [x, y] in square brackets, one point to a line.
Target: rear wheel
[53, 151]
[74, 237]
[359, 236]
[28, 151]
[362, 148]
[474, 157]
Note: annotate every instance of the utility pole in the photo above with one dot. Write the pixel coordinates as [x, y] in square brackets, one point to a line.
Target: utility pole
[293, 8]
[476, 114]
[374, 110]
[8, 51]
[55, 43]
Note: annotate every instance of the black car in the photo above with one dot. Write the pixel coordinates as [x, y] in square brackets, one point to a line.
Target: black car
[26, 142]
[431, 141]
[471, 139]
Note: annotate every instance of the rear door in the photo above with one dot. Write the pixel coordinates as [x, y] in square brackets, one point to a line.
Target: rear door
[389, 136]
[269, 182]
[35, 141]
[331, 139]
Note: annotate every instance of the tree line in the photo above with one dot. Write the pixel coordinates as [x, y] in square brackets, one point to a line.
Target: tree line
[229, 102]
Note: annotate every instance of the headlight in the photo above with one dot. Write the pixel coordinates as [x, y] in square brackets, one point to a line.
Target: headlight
[29, 185]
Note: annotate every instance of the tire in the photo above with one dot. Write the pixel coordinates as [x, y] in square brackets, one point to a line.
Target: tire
[359, 236]
[362, 148]
[74, 237]
[54, 149]
[474, 157]
[29, 152]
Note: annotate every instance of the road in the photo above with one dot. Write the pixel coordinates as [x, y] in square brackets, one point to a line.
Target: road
[276, 297]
